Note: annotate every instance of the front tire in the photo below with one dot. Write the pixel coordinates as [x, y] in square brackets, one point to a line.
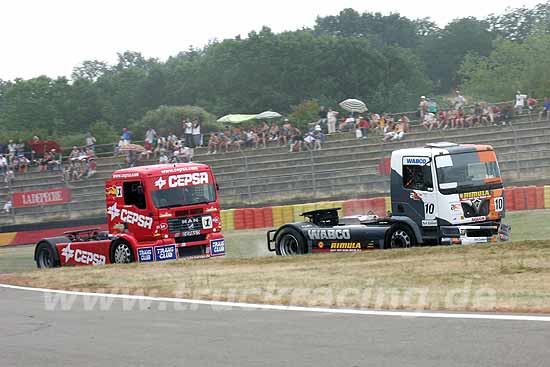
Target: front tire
[400, 236]
[289, 243]
[122, 253]
[45, 258]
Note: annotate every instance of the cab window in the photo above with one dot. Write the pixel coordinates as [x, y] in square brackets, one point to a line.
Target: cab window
[134, 194]
[417, 177]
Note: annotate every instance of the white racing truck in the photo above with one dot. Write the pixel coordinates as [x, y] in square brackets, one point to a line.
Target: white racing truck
[443, 193]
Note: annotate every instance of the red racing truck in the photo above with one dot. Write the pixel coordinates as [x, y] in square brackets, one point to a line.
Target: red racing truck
[154, 213]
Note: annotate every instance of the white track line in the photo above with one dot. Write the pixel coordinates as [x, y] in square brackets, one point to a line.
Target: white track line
[347, 311]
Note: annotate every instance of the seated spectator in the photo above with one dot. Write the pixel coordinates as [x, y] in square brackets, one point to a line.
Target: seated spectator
[225, 142]
[429, 121]
[531, 104]
[213, 143]
[374, 121]
[273, 132]
[405, 122]
[422, 107]
[285, 132]
[163, 159]
[459, 117]
[92, 167]
[545, 108]
[442, 122]
[296, 140]
[432, 106]
[236, 140]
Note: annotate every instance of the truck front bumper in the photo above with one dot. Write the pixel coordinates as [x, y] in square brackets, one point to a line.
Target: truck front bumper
[469, 234]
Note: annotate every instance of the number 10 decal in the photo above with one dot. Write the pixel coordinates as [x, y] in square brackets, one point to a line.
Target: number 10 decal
[499, 204]
[429, 208]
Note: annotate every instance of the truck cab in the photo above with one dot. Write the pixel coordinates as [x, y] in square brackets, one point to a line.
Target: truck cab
[448, 193]
[166, 204]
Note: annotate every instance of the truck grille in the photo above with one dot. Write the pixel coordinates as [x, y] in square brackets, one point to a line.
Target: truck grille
[184, 224]
[475, 208]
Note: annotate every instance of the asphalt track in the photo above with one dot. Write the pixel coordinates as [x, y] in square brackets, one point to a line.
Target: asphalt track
[36, 331]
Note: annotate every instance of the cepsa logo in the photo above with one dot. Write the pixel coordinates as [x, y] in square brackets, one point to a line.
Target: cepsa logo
[82, 256]
[130, 217]
[183, 180]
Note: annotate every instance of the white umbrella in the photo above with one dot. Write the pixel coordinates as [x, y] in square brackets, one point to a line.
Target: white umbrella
[235, 119]
[353, 105]
[266, 115]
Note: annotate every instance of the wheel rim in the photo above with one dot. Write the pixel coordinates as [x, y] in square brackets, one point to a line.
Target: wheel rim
[45, 259]
[400, 239]
[289, 245]
[122, 253]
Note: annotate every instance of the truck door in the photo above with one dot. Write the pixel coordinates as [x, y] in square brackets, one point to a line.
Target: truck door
[418, 185]
[135, 210]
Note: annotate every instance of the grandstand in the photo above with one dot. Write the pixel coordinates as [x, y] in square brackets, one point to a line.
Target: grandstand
[346, 167]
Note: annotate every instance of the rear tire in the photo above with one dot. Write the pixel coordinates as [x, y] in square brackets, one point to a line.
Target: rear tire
[45, 258]
[400, 236]
[290, 242]
[122, 253]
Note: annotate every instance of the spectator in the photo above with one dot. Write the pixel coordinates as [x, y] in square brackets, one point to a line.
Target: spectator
[285, 133]
[12, 148]
[92, 167]
[323, 116]
[8, 206]
[442, 122]
[296, 140]
[90, 141]
[363, 127]
[459, 100]
[163, 157]
[459, 117]
[188, 132]
[150, 135]
[545, 108]
[404, 121]
[196, 132]
[264, 134]
[310, 141]
[520, 102]
[273, 132]
[429, 121]
[432, 106]
[507, 114]
[213, 143]
[531, 105]
[332, 117]
[422, 107]
[126, 136]
[3, 164]
[171, 140]
[9, 176]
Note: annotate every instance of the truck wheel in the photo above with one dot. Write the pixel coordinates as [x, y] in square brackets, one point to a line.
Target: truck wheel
[122, 253]
[400, 236]
[289, 242]
[45, 257]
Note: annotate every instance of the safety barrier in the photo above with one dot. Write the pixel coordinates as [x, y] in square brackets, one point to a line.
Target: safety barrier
[515, 198]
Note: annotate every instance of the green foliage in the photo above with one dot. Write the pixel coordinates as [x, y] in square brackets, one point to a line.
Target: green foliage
[520, 23]
[167, 119]
[103, 132]
[511, 66]
[304, 113]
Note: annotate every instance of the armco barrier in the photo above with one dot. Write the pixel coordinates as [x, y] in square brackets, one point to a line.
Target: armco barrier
[509, 201]
[540, 197]
[531, 197]
[519, 198]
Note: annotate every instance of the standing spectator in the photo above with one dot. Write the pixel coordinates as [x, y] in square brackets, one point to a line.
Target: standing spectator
[3, 164]
[332, 116]
[171, 140]
[196, 132]
[545, 108]
[432, 106]
[126, 136]
[459, 101]
[188, 132]
[323, 115]
[12, 148]
[422, 107]
[90, 141]
[520, 102]
[8, 205]
[264, 133]
[363, 126]
[75, 153]
[150, 135]
[531, 105]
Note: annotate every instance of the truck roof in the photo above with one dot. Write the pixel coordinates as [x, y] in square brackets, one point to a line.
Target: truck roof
[159, 169]
[443, 148]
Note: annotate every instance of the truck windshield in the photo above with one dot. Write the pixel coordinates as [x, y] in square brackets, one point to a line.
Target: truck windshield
[463, 172]
[181, 196]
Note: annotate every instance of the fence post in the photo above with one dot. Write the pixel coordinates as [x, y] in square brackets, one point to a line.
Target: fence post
[249, 189]
[518, 168]
[313, 180]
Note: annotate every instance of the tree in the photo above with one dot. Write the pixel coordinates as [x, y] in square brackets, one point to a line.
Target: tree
[443, 52]
[511, 66]
[520, 23]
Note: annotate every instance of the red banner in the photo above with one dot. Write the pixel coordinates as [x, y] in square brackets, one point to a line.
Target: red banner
[42, 197]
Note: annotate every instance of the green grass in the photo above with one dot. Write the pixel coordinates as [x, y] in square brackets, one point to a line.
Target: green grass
[528, 225]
